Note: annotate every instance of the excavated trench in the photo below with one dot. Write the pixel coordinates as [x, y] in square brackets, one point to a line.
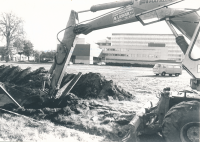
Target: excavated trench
[90, 86]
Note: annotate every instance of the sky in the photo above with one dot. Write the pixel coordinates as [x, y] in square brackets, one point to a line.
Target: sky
[43, 19]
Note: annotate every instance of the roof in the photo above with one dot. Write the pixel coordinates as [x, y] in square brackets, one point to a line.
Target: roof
[103, 41]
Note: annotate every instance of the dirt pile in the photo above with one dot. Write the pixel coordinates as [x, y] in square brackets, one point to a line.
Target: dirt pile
[52, 108]
[15, 75]
[94, 85]
[90, 85]
[78, 109]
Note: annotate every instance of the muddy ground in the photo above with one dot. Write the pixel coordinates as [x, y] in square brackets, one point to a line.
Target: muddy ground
[105, 114]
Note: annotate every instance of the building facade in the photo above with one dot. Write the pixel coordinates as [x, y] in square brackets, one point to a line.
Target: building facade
[85, 53]
[133, 48]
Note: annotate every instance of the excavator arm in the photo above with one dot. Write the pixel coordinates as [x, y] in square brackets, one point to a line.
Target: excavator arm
[149, 12]
[125, 14]
[144, 11]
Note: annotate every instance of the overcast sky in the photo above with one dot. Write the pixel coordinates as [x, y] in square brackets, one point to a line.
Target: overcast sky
[43, 19]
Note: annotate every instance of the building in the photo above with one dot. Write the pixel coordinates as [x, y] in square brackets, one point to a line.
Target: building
[135, 48]
[15, 56]
[85, 53]
[80, 40]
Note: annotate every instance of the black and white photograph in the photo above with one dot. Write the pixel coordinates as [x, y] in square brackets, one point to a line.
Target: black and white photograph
[100, 71]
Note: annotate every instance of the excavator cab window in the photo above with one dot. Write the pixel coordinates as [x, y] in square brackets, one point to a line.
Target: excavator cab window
[157, 14]
[154, 16]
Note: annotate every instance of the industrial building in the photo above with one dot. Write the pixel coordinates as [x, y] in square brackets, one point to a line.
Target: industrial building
[85, 53]
[135, 48]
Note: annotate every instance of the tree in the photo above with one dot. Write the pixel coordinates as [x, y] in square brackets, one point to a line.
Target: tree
[2, 53]
[11, 28]
[28, 48]
[37, 55]
[19, 43]
[48, 54]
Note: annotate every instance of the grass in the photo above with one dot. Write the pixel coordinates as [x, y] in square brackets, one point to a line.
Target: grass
[19, 129]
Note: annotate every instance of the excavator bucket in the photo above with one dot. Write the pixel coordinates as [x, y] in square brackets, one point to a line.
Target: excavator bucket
[64, 53]
[9, 94]
[5, 97]
[13, 94]
[132, 135]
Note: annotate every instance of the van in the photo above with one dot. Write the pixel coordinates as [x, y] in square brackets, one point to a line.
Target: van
[164, 68]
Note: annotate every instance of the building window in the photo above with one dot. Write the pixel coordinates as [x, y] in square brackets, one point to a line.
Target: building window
[144, 55]
[170, 66]
[177, 67]
[156, 44]
[151, 56]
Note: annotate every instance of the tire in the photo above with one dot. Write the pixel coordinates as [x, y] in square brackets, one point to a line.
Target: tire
[190, 132]
[176, 74]
[177, 118]
[170, 74]
[163, 73]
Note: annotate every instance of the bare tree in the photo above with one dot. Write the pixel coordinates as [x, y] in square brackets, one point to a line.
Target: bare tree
[11, 28]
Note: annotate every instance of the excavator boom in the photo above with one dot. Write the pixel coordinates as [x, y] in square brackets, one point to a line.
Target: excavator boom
[149, 12]
[125, 14]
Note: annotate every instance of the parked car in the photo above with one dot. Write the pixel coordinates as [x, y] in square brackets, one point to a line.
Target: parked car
[166, 68]
[70, 63]
[101, 63]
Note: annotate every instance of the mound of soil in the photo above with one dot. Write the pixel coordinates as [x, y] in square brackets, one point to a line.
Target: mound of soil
[90, 85]
[72, 108]
[26, 78]
[94, 85]
[52, 108]
[26, 85]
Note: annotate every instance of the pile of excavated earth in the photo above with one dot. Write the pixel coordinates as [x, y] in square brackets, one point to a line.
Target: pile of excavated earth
[90, 86]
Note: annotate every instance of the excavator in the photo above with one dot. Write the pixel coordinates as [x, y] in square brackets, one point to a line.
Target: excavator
[176, 117]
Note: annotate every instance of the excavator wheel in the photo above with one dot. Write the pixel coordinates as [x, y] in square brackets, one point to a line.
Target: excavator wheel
[181, 123]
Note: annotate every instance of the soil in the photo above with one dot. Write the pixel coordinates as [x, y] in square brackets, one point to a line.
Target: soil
[91, 86]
